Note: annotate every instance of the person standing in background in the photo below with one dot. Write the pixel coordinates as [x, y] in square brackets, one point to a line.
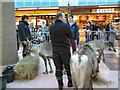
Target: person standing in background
[74, 28]
[88, 31]
[112, 39]
[101, 33]
[32, 31]
[24, 33]
[108, 31]
[46, 32]
[94, 33]
[40, 28]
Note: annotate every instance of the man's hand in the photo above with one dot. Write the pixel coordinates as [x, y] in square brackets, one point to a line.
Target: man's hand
[25, 42]
[75, 42]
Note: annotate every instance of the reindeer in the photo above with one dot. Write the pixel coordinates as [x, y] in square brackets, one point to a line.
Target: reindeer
[44, 51]
[98, 46]
[83, 66]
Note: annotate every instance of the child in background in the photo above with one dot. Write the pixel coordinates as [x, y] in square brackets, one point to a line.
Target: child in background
[42, 36]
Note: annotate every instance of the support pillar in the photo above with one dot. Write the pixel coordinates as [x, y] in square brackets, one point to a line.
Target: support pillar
[8, 40]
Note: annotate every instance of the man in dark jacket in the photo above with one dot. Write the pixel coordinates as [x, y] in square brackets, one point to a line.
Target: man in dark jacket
[60, 35]
[24, 33]
[74, 28]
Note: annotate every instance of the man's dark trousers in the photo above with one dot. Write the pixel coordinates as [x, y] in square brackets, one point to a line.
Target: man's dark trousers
[62, 59]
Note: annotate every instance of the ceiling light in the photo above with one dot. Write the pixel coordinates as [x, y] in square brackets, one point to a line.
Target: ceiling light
[48, 8]
[109, 6]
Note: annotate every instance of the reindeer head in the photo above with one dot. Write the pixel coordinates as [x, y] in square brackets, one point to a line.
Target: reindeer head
[34, 50]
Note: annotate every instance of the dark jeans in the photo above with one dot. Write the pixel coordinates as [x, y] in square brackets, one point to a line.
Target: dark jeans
[88, 38]
[25, 51]
[62, 59]
[94, 35]
[74, 44]
[111, 44]
[108, 34]
[78, 41]
[47, 38]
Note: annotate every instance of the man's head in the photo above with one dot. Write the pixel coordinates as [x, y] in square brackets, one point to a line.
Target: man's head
[70, 17]
[89, 23]
[61, 16]
[25, 18]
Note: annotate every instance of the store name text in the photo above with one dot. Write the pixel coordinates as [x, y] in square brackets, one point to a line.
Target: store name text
[109, 10]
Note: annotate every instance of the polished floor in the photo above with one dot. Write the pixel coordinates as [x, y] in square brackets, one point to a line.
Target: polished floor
[109, 71]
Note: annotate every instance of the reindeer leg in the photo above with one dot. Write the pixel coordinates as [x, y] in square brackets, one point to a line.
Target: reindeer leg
[97, 69]
[50, 66]
[87, 83]
[91, 84]
[100, 54]
[45, 61]
[99, 58]
[103, 57]
[75, 87]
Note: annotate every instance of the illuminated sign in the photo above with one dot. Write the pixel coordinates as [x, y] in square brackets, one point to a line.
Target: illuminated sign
[107, 10]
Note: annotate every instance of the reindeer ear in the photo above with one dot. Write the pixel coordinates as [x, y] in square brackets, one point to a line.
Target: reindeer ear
[79, 46]
[79, 51]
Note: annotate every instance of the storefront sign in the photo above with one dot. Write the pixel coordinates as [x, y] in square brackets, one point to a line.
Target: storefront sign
[107, 10]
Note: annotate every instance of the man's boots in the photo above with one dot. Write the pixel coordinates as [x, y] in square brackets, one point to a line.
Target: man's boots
[24, 55]
[114, 50]
[60, 84]
[69, 82]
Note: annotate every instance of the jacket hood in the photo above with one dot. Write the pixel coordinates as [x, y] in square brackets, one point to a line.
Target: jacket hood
[24, 22]
[73, 22]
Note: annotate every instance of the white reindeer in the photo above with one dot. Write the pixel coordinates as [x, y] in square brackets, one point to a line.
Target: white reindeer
[83, 66]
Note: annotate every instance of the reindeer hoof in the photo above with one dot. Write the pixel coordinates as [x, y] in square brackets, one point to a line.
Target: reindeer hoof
[45, 72]
[51, 71]
[97, 71]
[98, 60]
[104, 61]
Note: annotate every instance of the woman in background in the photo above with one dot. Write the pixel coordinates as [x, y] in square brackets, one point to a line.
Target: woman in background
[112, 39]
[88, 31]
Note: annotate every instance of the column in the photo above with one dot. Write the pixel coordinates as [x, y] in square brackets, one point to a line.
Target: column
[8, 40]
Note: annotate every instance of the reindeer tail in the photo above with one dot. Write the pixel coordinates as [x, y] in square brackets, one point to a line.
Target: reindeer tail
[99, 80]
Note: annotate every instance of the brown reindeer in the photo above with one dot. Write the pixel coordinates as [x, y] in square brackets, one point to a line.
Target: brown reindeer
[98, 46]
[44, 51]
